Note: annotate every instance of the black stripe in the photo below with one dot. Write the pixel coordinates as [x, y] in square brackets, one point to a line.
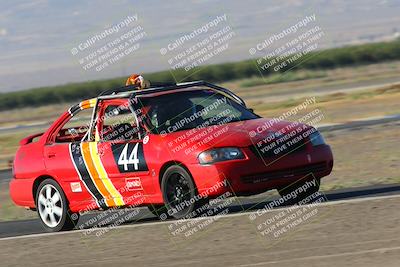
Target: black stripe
[72, 110]
[76, 153]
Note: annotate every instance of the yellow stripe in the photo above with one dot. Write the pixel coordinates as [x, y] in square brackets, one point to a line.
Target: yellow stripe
[96, 135]
[92, 102]
[89, 103]
[94, 175]
[103, 175]
[83, 104]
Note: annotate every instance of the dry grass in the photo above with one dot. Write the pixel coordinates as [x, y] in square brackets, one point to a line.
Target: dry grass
[340, 107]
[340, 76]
[32, 114]
[372, 157]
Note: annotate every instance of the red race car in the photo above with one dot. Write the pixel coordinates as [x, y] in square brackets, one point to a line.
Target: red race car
[166, 146]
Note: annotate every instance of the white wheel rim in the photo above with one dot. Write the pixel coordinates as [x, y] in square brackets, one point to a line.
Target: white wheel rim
[50, 205]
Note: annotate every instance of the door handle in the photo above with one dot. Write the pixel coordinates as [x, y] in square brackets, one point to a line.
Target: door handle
[51, 155]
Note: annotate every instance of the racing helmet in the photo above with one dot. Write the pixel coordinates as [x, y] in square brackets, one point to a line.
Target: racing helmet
[138, 80]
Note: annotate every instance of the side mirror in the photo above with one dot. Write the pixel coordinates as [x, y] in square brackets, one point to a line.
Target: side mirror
[252, 110]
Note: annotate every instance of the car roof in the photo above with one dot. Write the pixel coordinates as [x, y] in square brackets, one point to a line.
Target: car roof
[132, 91]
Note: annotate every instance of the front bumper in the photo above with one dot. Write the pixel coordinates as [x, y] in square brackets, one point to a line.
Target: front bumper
[256, 174]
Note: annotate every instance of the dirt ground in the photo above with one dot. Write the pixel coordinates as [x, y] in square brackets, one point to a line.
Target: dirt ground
[344, 110]
[364, 156]
[361, 232]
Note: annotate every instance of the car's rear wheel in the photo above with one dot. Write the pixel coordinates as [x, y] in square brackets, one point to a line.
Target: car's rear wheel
[286, 192]
[179, 192]
[52, 207]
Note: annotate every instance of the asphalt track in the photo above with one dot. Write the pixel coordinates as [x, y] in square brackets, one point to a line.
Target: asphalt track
[242, 204]
[351, 232]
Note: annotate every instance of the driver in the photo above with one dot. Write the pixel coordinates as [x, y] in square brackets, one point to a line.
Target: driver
[137, 80]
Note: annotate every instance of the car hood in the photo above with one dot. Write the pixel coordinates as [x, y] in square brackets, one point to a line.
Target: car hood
[238, 134]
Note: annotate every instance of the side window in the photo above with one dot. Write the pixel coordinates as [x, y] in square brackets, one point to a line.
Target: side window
[119, 124]
[223, 107]
[75, 128]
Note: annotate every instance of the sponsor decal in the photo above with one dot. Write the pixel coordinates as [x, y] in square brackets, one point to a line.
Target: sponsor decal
[133, 184]
[76, 187]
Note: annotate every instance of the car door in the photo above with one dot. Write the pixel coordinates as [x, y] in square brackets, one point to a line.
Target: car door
[122, 150]
[66, 154]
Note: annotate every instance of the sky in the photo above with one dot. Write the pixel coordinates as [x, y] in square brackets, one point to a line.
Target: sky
[38, 37]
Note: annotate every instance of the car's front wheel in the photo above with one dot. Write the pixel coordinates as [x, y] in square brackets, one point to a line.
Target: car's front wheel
[52, 207]
[179, 192]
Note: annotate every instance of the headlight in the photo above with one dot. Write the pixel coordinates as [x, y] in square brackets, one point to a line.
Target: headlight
[317, 139]
[220, 154]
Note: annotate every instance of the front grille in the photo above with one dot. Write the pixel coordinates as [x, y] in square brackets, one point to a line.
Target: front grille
[279, 174]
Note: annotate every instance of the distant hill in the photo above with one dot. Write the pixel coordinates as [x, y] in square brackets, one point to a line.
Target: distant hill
[36, 37]
[326, 59]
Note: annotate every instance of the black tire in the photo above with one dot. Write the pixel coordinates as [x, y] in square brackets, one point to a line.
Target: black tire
[287, 190]
[56, 207]
[177, 186]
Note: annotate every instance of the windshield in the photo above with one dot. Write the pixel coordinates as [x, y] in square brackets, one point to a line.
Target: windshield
[190, 109]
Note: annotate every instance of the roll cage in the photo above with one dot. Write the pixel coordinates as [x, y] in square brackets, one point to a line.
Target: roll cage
[132, 92]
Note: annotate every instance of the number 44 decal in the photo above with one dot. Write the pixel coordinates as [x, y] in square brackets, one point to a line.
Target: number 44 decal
[129, 157]
[133, 157]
